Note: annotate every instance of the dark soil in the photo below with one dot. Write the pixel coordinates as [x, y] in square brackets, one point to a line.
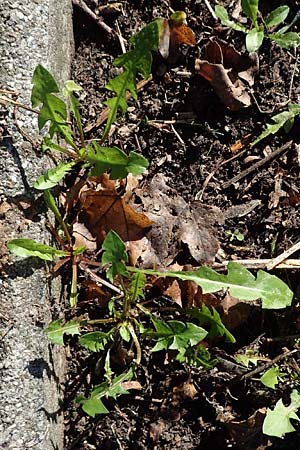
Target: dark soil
[162, 415]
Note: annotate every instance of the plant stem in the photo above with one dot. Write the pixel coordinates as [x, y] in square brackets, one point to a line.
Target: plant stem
[136, 343]
[73, 295]
[92, 322]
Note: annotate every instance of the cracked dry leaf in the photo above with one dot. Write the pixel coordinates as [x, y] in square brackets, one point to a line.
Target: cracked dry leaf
[175, 224]
[102, 211]
[225, 69]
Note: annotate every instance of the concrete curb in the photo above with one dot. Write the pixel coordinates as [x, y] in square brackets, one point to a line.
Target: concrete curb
[31, 371]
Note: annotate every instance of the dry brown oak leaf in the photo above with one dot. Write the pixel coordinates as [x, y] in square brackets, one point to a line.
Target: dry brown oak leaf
[176, 224]
[103, 211]
[227, 70]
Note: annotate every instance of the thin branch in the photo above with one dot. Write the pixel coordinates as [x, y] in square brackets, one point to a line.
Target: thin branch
[210, 9]
[5, 100]
[100, 280]
[258, 164]
[275, 262]
[260, 264]
[102, 25]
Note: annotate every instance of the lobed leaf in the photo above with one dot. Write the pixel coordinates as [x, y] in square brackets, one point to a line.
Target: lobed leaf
[279, 121]
[28, 247]
[206, 315]
[53, 176]
[93, 404]
[116, 161]
[96, 340]
[56, 331]
[271, 376]
[53, 108]
[43, 84]
[175, 335]
[114, 254]
[249, 357]
[138, 60]
[278, 421]
[136, 287]
[272, 291]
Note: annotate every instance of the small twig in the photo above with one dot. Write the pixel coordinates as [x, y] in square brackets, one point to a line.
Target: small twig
[258, 164]
[210, 9]
[104, 115]
[289, 337]
[278, 260]
[9, 92]
[292, 78]
[22, 132]
[6, 332]
[260, 264]
[268, 364]
[120, 37]
[100, 280]
[102, 25]
[199, 195]
[5, 100]
[178, 135]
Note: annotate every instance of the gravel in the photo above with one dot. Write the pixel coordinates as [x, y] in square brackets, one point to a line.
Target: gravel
[31, 370]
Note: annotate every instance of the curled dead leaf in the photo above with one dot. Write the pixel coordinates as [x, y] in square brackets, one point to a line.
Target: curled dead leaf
[225, 68]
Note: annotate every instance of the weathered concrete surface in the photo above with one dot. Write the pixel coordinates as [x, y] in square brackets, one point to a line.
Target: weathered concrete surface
[32, 32]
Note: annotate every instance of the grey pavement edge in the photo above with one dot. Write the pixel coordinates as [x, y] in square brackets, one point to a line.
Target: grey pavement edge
[31, 370]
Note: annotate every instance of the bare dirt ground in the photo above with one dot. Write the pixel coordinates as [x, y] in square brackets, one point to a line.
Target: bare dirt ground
[180, 407]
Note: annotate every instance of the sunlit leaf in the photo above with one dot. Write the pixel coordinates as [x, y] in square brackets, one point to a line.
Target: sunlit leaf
[254, 40]
[93, 404]
[279, 121]
[222, 14]
[286, 40]
[278, 421]
[175, 335]
[272, 291]
[53, 176]
[56, 330]
[277, 16]
[28, 247]
[271, 377]
[124, 332]
[96, 340]
[249, 357]
[138, 60]
[115, 161]
[53, 108]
